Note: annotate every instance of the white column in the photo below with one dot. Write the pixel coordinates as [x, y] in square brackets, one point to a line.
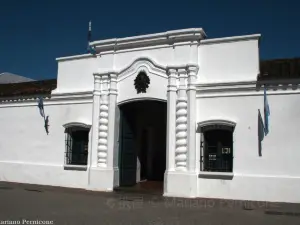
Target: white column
[191, 123]
[103, 124]
[111, 119]
[181, 123]
[95, 125]
[171, 120]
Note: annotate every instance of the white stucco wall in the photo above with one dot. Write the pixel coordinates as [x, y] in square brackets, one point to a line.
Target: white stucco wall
[275, 176]
[228, 61]
[221, 60]
[28, 154]
[76, 75]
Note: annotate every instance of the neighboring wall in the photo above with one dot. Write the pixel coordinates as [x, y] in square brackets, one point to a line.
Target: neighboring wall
[227, 89]
[75, 74]
[229, 59]
[274, 176]
[28, 154]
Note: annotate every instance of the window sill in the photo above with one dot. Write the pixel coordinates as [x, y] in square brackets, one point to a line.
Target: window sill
[75, 167]
[216, 175]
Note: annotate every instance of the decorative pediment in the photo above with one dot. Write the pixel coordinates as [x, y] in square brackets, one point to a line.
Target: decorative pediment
[142, 64]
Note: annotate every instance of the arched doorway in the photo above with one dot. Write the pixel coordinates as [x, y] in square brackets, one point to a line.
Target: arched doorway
[142, 144]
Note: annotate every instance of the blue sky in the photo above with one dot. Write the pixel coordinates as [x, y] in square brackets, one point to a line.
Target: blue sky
[35, 32]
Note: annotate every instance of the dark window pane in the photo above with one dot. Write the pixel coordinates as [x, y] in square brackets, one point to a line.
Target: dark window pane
[218, 155]
[77, 146]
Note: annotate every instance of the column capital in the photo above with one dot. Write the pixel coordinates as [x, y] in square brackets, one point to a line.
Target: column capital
[105, 76]
[97, 84]
[113, 75]
[192, 69]
[97, 77]
[105, 81]
[171, 71]
[182, 72]
[113, 84]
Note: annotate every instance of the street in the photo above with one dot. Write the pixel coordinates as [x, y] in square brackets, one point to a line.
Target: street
[33, 204]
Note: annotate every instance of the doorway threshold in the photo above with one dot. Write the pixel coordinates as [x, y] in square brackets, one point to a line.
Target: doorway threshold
[144, 187]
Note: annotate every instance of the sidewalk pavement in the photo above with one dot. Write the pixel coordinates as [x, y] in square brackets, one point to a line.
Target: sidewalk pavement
[34, 204]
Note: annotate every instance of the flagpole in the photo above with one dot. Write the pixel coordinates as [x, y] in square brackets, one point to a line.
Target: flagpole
[90, 49]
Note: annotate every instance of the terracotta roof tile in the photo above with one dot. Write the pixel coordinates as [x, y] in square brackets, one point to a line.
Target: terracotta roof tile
[279, 69]
[42, 87]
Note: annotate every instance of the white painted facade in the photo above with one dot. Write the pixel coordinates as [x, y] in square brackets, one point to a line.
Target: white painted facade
[215, 80]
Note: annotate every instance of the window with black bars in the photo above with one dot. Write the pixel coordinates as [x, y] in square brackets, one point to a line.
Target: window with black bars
[217, 152]
[77, 140]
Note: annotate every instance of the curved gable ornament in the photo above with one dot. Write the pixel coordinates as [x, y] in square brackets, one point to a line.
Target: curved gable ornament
[142, 64]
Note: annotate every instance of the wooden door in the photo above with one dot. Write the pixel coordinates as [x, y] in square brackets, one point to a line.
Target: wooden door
[128, 155]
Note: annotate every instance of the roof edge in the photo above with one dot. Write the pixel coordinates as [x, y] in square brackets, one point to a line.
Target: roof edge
[231, 39]
[168, 37]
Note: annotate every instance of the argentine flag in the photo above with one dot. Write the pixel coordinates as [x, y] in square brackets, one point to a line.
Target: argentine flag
[41, 106]
[266, 111]
[91, 50]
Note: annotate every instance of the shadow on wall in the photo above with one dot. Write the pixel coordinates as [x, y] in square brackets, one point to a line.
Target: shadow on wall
[46, 125]
[42, 113]
[260, 133]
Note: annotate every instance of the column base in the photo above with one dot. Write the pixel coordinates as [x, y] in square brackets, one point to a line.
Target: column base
[183, 184]
[102, 179]
[116, 177]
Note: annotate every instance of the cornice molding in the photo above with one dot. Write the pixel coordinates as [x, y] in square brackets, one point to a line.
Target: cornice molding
[221, 122]
[169, 37]
[15, 99]
[246, 88]
[77, 124]
[54, 99]
[249, 87]
[227, 87]
[69, 95]
[218, 123]
[230, 39]
[74, 57]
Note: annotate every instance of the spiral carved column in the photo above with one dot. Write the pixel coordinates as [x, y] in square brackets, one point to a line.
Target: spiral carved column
[171, 118]
[181, 123]
[191, 93]
[113, 92]
[96, 113]
[103, 124]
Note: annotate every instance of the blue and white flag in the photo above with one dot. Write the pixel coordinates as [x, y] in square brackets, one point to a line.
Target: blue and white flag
[261, 128]
[266, 112]
[90, 49]
[41, 106]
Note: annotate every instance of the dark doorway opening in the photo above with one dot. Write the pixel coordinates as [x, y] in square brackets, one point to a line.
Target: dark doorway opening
[142, 141]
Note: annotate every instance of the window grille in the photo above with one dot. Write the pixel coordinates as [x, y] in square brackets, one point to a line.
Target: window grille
[77, 140]
[217, 151]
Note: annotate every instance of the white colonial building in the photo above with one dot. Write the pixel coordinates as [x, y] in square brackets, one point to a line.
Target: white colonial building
[173, 107]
